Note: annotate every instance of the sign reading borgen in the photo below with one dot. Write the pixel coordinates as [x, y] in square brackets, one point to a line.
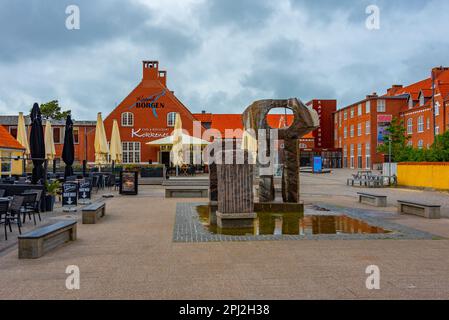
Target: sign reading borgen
[69, 194]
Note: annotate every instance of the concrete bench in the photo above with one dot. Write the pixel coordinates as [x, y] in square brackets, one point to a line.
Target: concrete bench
[428, 211]
[36, 243]
[185, 182]
[372, 199]
[187, 192]
[93, 212]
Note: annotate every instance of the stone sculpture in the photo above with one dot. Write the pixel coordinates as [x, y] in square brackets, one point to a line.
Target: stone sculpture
[305, 120]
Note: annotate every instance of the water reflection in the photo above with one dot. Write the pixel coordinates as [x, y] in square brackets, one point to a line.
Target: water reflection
[268, 223]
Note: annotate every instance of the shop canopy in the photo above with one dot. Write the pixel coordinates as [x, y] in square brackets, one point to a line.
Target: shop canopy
[186, 139]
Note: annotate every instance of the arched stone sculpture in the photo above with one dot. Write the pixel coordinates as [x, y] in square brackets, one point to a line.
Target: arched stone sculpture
[305, 120]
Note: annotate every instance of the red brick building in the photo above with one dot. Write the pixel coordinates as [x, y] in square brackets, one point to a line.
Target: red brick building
[360, 127]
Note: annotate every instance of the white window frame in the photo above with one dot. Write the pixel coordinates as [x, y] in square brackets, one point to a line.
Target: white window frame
[420, 124]
[131, 150]
[368, 156]
[345, 132]
[437, 130]
[410, 125]
[127, 119]
[437, 108]
[352, 112]
[345, 115]
[351, 131]
[359, 129]
[381, 105]
[420, 144]
[171, 121]
[428, 123]
[368, 106]
[368, 127]
[360, 110]
[351, 156]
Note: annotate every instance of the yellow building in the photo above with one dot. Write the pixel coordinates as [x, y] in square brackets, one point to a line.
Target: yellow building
[10, 148]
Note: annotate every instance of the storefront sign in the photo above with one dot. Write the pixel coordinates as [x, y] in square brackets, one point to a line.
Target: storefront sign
[69, 194]
[384, 118]
[149, 133]
[317, 164]
[128, 182]
[150, 102]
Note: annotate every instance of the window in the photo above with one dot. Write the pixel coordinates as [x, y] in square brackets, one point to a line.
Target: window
[410, 102]
[421, 124]
[410, 143]
[131, 152]
[345, 115]
[13, 132]
[428, 123]
[368, 106]
[351, 134]
[359, 109]
[437, 108]
[359, 129]
[127, 119]
[410, 126]
[345, 157]
[368, 127]
[339, 120]
[171, 118]
[5, 163]
[420, 144]
[359, 156]
[352, 156]
[57, 135]
[421, 100]
[368, 156]
[381, 105]
[352, 112]
[437, 130]
[345, 132]
[76, 135]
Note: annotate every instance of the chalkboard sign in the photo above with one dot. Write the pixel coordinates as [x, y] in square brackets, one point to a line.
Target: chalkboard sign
[69, 194]
[128, 182]
[84, 191]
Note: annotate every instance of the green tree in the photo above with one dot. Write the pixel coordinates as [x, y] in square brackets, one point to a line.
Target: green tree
[439, 151]
[52, 110]
[397, 134]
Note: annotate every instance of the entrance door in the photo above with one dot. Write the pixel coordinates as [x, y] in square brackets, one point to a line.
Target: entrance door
[165, 158]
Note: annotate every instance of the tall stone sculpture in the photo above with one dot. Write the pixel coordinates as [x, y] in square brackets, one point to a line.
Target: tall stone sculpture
[305, 120]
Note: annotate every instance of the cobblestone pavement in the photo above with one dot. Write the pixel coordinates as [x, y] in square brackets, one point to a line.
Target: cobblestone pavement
[130, 254]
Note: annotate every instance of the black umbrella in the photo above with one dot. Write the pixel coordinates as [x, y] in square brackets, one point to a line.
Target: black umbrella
[68, 152]
[37, 145]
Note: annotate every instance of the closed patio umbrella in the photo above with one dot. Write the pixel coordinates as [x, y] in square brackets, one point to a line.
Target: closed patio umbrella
[116, 144]
[68, 151]
[177, 156]
[22, 135]
[37, 145]
[101, 144]
[50, 151]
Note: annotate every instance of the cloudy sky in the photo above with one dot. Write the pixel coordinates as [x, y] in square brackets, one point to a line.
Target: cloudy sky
[220, 54]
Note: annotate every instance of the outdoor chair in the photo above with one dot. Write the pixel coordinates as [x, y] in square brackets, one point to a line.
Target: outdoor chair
[38, 201]
[3, 214]
[28, 206]
[2, 192]
[14, 213]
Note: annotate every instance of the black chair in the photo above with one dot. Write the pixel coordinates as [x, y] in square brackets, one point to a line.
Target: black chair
[29, 205]
[3, 215]
[37, 208]
[14, 211]
[2, 192]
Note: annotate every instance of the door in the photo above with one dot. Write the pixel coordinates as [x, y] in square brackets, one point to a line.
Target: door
[165, 158]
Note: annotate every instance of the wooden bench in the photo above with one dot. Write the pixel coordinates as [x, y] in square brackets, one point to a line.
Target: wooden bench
[36, 243]
[428, 211]
[186, 182]
[187, 192]
[372, 199]
[93, 212]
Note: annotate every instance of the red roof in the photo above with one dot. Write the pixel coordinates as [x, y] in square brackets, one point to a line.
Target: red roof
[7, 141]
[221, 122]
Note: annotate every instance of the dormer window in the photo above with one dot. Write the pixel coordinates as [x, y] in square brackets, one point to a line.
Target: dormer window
[410, 102]
[421, 99]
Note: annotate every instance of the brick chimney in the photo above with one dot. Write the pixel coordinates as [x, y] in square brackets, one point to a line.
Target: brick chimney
[438, 70]
[394, 89]
[163, 77]
[150, 70]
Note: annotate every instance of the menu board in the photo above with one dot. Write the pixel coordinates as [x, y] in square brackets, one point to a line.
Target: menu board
[128, 182]
[69, 194]
[85, 189]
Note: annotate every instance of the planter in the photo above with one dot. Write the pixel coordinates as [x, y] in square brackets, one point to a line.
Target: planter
[49, 202]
